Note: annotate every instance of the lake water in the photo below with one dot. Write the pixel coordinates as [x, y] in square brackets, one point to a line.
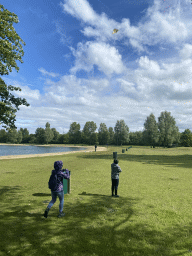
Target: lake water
[6, 150]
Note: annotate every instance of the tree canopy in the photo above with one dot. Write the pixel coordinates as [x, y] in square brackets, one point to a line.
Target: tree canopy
[10, 47]
[103, 135]
[169, 132]
[151, 133]
[88, 131]
[10, 51]
[121, 132]
[74, 133]
[186, 138]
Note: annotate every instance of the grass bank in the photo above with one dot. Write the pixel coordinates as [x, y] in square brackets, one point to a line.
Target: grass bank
[151, 217]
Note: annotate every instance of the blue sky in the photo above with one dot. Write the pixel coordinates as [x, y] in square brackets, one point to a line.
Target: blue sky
[76, 70]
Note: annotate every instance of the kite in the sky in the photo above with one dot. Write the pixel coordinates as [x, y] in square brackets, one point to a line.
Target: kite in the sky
[115, 31]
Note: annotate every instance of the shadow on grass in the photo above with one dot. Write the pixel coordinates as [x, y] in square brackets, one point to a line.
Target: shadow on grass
[8, 172]
[88, 194]
[41, 194]
[8, 190]
[174, 161]
[95, 226]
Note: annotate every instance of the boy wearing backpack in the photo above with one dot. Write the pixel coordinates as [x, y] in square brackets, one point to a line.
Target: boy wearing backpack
[56, 186]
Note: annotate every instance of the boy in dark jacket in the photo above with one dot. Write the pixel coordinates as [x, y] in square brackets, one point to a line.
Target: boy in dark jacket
[59, 188]
[115, 170]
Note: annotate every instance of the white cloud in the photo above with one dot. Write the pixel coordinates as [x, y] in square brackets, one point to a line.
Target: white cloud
[44, 72]
[150, 65]
[186, 52]
[81, 9]
[62, 30]
[105, 57]
[26, 92]
[128, 87]
[73, 92]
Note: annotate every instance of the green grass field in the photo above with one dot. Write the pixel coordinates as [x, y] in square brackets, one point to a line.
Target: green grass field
[151, 217]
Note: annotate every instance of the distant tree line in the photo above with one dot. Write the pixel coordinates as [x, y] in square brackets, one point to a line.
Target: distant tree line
[162, 133]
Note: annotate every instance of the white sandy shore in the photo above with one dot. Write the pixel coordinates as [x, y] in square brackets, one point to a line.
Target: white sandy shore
[88, 149]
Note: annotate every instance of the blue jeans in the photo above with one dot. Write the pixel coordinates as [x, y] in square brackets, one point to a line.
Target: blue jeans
[54, 198]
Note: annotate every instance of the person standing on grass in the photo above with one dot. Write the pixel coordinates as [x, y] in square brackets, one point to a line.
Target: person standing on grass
[59, 188]
[115, 170]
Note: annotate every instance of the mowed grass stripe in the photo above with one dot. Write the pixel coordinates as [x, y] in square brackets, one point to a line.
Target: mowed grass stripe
[152, 216]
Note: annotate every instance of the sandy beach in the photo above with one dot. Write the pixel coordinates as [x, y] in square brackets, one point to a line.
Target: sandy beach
[88, 149]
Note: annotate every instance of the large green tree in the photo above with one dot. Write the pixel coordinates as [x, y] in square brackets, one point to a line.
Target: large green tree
[65, 138]
[19, 137]
[111, 136]
[74, 133]
[136, 138]
[55, 136]
[94, 139]
[88, 129]
[121, 132]
[3, 136]
[32, 139]
[40, 135]
[103, 135]
[48, 133]
[25, 135]
[61, 138]
[12, 136]
[186, 138]
[169, 132]
[10, 51]
[151, 133]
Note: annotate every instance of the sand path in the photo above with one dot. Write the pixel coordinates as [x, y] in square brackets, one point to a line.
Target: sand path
[88, 149]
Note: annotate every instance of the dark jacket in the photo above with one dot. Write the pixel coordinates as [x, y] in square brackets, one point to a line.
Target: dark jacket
[115, 170]
[60, 175]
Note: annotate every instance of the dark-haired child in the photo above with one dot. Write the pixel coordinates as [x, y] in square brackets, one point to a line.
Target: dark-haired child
[115, 170]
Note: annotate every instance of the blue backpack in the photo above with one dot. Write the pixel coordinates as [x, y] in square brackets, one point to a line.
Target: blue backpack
[53, 181]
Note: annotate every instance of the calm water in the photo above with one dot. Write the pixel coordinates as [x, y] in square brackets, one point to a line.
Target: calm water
[27, 150]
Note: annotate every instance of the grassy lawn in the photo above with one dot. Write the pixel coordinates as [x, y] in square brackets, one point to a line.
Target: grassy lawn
[151, 217]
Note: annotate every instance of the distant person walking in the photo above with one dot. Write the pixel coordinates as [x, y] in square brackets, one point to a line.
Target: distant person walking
[115, 170]
[58, 191]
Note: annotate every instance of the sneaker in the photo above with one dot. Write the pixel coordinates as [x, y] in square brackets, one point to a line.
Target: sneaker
[61, 214]
[46, 212]
[116, 195]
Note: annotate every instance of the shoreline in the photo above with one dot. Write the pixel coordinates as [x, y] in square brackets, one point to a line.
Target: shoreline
[88, 149]
[46, 145]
